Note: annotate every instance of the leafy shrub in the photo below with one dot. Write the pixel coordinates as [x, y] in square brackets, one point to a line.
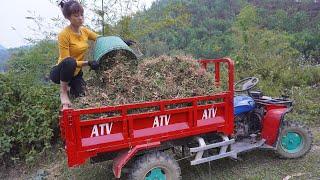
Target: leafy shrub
[270, 56]
[28, 117]
[306, 104]
[28, 105]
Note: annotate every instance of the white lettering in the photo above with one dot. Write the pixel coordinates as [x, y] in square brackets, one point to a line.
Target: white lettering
[104, 128]
[156, 122]
[164, 121]
[94, 131]
[209, 113]
[109, 127]
[167, 120]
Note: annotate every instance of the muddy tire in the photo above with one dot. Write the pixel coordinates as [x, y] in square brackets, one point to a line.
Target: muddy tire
[156, 165]
[295, 140]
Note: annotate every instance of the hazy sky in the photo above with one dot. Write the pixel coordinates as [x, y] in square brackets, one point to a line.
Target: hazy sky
[14, 25]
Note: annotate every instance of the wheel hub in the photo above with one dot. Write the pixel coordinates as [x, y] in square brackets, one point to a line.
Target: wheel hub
[156, 174]
[292, 142]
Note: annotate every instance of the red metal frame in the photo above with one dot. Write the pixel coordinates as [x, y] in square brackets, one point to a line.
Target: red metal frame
[136, 131]
[271, 122]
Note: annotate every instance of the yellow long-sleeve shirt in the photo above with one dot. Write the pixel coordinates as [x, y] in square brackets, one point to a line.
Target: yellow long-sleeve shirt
[75, 45]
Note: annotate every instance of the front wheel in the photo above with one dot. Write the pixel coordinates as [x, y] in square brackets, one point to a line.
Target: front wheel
[294, 141]
[155, 166]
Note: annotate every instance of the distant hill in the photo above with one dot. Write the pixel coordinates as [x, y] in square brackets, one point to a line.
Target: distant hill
[4, 56]
[205, 28]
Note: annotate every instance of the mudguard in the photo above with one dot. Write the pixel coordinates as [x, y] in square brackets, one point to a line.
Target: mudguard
[125, 156]
[271, 123]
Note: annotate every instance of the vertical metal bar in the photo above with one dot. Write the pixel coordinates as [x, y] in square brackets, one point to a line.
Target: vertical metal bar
[190, 117]
[195, 112]
[125, 129]
[217, 73]
[70, 137]
[78, 134]
[230, 109]
[162, 107]
[231, 76]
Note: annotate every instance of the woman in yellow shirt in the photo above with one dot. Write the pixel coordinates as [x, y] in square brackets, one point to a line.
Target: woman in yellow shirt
[73, 45]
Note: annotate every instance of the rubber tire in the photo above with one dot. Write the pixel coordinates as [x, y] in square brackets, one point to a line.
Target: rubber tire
[306, 134]
[147, 162]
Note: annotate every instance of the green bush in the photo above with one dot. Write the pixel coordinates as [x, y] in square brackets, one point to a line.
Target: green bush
[306, 104]
[29, 104]
[28, 117]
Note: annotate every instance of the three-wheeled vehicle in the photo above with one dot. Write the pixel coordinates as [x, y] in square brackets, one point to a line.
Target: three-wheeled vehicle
[204, 128]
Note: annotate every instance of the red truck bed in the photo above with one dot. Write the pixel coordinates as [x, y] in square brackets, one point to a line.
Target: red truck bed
[127, 126]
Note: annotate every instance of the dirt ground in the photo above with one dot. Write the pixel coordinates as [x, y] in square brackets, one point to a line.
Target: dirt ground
[258, 164]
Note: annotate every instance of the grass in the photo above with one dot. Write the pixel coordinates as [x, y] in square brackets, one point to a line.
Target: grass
[260, 165]
[306, 105]
[256, 165]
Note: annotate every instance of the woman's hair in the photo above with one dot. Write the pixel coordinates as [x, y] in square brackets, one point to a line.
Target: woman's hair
[70, 7]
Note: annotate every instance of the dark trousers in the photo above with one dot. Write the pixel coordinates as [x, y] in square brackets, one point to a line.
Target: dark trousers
[64, 72]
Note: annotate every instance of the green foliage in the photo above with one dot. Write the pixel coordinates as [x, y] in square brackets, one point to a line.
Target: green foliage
[207, 29]
[260, 50]
[306, 104]
[308, 44]
[300, 19]
[33, 65]
[247, 18]
[173, 15]
[28, 105]
[124, 27]
[273, 40]
[270, 56]
[194, 27]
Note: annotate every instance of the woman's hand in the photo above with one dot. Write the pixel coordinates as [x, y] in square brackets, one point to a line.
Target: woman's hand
[94, 65]
[129, 42]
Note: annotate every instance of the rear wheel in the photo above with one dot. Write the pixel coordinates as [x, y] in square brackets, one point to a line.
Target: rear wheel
[294, 141]
[155, 166]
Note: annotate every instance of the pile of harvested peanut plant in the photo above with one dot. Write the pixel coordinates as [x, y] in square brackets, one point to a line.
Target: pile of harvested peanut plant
[130, 81]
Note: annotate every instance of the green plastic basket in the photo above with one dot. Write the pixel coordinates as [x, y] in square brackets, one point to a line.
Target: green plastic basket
[107, 44]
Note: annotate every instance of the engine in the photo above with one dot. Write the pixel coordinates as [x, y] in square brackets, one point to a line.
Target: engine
[248, 123]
